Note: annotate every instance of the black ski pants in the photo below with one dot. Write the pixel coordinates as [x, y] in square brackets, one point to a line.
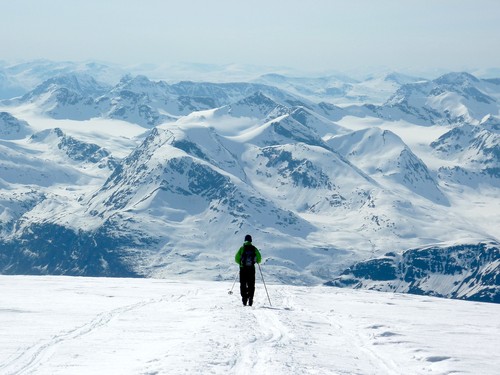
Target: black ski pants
[247, 282]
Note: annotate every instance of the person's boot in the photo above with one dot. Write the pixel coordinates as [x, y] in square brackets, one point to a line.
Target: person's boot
[250, 302]
[244, 299]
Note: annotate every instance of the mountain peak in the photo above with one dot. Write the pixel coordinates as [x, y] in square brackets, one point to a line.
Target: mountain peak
[47, 134]
[258, 98]
[491, 123]
[383, 154]
[81, 83]
[138, 83]
[257, 105]
[72, 148]
[457, 78]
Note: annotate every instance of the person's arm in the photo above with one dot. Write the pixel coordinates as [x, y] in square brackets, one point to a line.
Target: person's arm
[237, 257]
[258, 257]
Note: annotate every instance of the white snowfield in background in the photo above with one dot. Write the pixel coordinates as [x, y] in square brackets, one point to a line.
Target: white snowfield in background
[68, 325]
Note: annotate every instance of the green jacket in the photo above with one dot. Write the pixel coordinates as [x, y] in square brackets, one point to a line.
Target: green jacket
[237, 257]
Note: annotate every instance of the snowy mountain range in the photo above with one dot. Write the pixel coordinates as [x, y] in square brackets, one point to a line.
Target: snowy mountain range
[463, 271]
[341, 89]
[156, 179]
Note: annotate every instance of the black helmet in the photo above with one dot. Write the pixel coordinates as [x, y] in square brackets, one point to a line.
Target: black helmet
[248, 238]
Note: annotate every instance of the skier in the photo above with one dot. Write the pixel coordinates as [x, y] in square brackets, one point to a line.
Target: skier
[246, 257]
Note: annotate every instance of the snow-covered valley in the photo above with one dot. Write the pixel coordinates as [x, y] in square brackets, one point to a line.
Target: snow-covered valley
[75, 325]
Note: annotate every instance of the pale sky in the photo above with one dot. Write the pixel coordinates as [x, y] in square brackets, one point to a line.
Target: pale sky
[312, 36]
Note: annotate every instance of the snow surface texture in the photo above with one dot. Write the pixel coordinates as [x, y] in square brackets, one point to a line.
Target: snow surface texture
[136, 177]
[66, 325]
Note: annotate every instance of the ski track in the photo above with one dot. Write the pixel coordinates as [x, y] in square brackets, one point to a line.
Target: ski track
[198, 329]
[277, 341]
[35, 355]
[272, 343]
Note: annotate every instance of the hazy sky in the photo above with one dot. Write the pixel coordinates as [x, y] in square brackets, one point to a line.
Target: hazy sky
[313, 36]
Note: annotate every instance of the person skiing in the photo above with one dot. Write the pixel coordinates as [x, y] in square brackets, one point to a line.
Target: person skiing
[246, 257]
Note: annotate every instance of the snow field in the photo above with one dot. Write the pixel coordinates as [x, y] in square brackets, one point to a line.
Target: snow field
[66, 325]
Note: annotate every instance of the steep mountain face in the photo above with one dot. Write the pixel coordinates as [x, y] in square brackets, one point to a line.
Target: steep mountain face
[331, 111]
[382, 154]
[321, 125]
[21, 166]
[13, 205]
[74, 149]
[291, 164]
[257, 105]
[304, 178]
[285, 129]
[42, 178]
[41, 228]
[138, 100]
[463, 271]
[491, 123]
[81, 84]
[12, 128]
[183, 179]
[168, 188]
[48, 248]
[475, 150]
[67, 97]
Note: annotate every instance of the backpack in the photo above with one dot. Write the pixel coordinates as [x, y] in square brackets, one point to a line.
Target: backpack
[248, 257]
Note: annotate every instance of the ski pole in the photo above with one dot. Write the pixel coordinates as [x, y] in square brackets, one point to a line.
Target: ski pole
[265, 287]
[234, 282]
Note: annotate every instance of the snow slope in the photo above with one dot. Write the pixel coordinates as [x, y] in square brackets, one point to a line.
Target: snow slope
[382, 153]
[66, 325]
